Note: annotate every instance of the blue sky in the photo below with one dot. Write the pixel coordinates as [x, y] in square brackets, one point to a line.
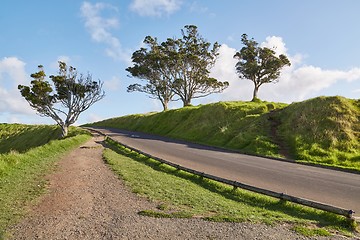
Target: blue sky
[321, 38]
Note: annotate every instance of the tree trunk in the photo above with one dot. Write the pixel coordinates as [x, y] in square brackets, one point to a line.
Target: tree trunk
[165, 105]
[64, 131]
[256, 90]
[186, 102]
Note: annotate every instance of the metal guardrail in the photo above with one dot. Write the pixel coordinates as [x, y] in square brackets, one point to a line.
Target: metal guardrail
[309, 203]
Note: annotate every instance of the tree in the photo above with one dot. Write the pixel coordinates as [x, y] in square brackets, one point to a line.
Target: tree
[68, 96]
[194, 59]
[176, 67]
[150, 65]
[259, 64]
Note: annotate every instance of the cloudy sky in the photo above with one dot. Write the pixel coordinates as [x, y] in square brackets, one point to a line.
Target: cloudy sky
[321, 38]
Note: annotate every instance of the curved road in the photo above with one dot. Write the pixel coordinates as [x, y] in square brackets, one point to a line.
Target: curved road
[332, 187]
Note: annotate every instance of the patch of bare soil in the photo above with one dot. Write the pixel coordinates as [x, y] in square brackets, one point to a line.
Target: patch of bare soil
[85, 200]
[274, 124]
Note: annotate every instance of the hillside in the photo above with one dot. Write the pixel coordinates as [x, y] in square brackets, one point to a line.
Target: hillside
[324, 130]
[20, 138]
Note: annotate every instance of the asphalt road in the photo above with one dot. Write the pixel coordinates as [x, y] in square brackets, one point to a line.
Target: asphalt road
[332, 187]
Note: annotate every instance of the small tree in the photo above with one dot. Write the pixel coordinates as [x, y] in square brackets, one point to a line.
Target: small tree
[69, 95]
[150, 64]
[259, 64]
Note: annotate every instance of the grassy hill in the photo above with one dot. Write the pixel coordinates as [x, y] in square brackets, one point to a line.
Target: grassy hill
[19, 137]
[324, 130]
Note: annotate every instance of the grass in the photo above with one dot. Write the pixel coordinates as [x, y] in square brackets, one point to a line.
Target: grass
[180, 194]
[20, 137]
[22, 174]
[323, 130]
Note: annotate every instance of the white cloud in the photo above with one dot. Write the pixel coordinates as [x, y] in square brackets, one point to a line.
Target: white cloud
[12, 73]
[224, 70]
[155, 7]
[14, 68]
[296, 83]
[275, 43]
[100, 29]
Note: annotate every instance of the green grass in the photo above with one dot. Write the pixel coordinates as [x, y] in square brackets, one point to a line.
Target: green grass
[22, 175]
[180, 194]
[20, 137]
[323, 130]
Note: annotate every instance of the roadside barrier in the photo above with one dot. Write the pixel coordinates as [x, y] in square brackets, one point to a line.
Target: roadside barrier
[309, 203]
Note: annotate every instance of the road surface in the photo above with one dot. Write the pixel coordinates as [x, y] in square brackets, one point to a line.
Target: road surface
[332, 187]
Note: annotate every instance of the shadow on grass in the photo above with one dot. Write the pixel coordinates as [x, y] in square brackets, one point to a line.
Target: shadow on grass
[322, 218]
[28, 138]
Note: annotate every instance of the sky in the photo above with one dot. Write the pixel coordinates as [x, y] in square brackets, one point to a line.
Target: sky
[320, 37]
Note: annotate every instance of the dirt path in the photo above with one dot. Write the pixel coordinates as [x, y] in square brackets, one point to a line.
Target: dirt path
[87, 201]
[274, 133]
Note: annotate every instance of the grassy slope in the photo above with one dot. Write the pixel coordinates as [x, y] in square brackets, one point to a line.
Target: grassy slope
[233, 125]
[20, 138]
[22, 174]
[322, 130]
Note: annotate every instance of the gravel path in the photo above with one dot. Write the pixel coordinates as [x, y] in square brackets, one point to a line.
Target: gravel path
[85, 200]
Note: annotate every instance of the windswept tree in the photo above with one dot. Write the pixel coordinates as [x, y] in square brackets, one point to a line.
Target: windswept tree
[259, 64]
[150, 65]
[195, 57]
[66, 98]
[176, 67]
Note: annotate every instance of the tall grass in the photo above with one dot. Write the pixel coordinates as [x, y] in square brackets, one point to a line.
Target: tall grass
[324, 130]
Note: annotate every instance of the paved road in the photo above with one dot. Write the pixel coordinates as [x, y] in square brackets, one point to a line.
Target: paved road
[323, 185]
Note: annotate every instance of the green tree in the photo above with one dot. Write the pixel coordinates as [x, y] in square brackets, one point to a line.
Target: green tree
[150, 65]
[193, 61]
[176, 67]
[68, 96]
[259, 64]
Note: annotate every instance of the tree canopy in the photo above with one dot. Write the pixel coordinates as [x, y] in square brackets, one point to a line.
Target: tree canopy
[151, 65]
[66, 98]
[178, 67]
[259, 64]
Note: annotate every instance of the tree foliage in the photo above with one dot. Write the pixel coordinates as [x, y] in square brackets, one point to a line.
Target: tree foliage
[195, 58]
[259, 64]
[66, 98]
[178, 67]
[150, 65]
